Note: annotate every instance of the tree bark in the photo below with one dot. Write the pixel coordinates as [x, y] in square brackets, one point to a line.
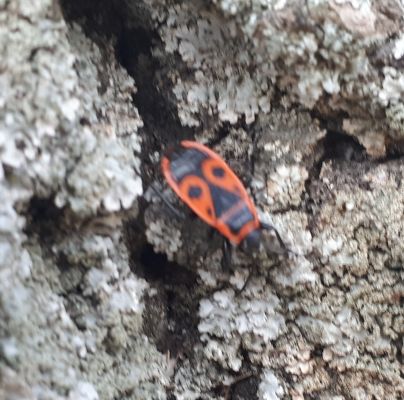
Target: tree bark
[104, 294]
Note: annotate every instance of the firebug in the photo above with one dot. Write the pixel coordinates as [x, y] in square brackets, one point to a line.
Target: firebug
[204, 181]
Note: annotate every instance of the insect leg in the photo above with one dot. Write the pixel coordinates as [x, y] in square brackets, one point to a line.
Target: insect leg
[227, 252]
[285, 249]
[250, 274]
[168, 204]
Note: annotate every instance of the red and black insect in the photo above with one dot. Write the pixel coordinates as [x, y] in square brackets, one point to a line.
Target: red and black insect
[203, 181]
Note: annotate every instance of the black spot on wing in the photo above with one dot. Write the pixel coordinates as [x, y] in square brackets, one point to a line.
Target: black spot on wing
[218, 172]
[194, 192]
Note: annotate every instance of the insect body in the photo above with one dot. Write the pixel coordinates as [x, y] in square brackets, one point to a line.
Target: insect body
[203, 180]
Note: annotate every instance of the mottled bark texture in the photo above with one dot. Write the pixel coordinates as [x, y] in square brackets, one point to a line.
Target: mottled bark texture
[104, 294]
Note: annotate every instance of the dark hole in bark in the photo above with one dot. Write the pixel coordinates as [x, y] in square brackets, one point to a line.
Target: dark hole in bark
[153, 265]
[338, 145]
[44, 219]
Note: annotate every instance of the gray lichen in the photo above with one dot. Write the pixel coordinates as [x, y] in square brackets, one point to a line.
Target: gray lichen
[315, 52]
[89, 307]
[65, 140]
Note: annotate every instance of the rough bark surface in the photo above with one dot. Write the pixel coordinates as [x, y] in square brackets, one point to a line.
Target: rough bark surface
[105, 295]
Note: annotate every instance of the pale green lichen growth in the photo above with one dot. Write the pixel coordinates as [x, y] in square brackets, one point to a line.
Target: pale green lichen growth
[73, 317]
[395, 119]
[317, 52]
[229, 323]
[66, 141]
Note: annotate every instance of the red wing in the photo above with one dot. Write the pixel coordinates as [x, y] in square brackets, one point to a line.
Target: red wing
[196, 193]
[211, 189]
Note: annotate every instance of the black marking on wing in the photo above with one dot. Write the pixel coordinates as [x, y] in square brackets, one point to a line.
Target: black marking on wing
[184, 162]
[239, 219]
[188, 161]
[224, 200]
[218, 172]
[194, 192]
